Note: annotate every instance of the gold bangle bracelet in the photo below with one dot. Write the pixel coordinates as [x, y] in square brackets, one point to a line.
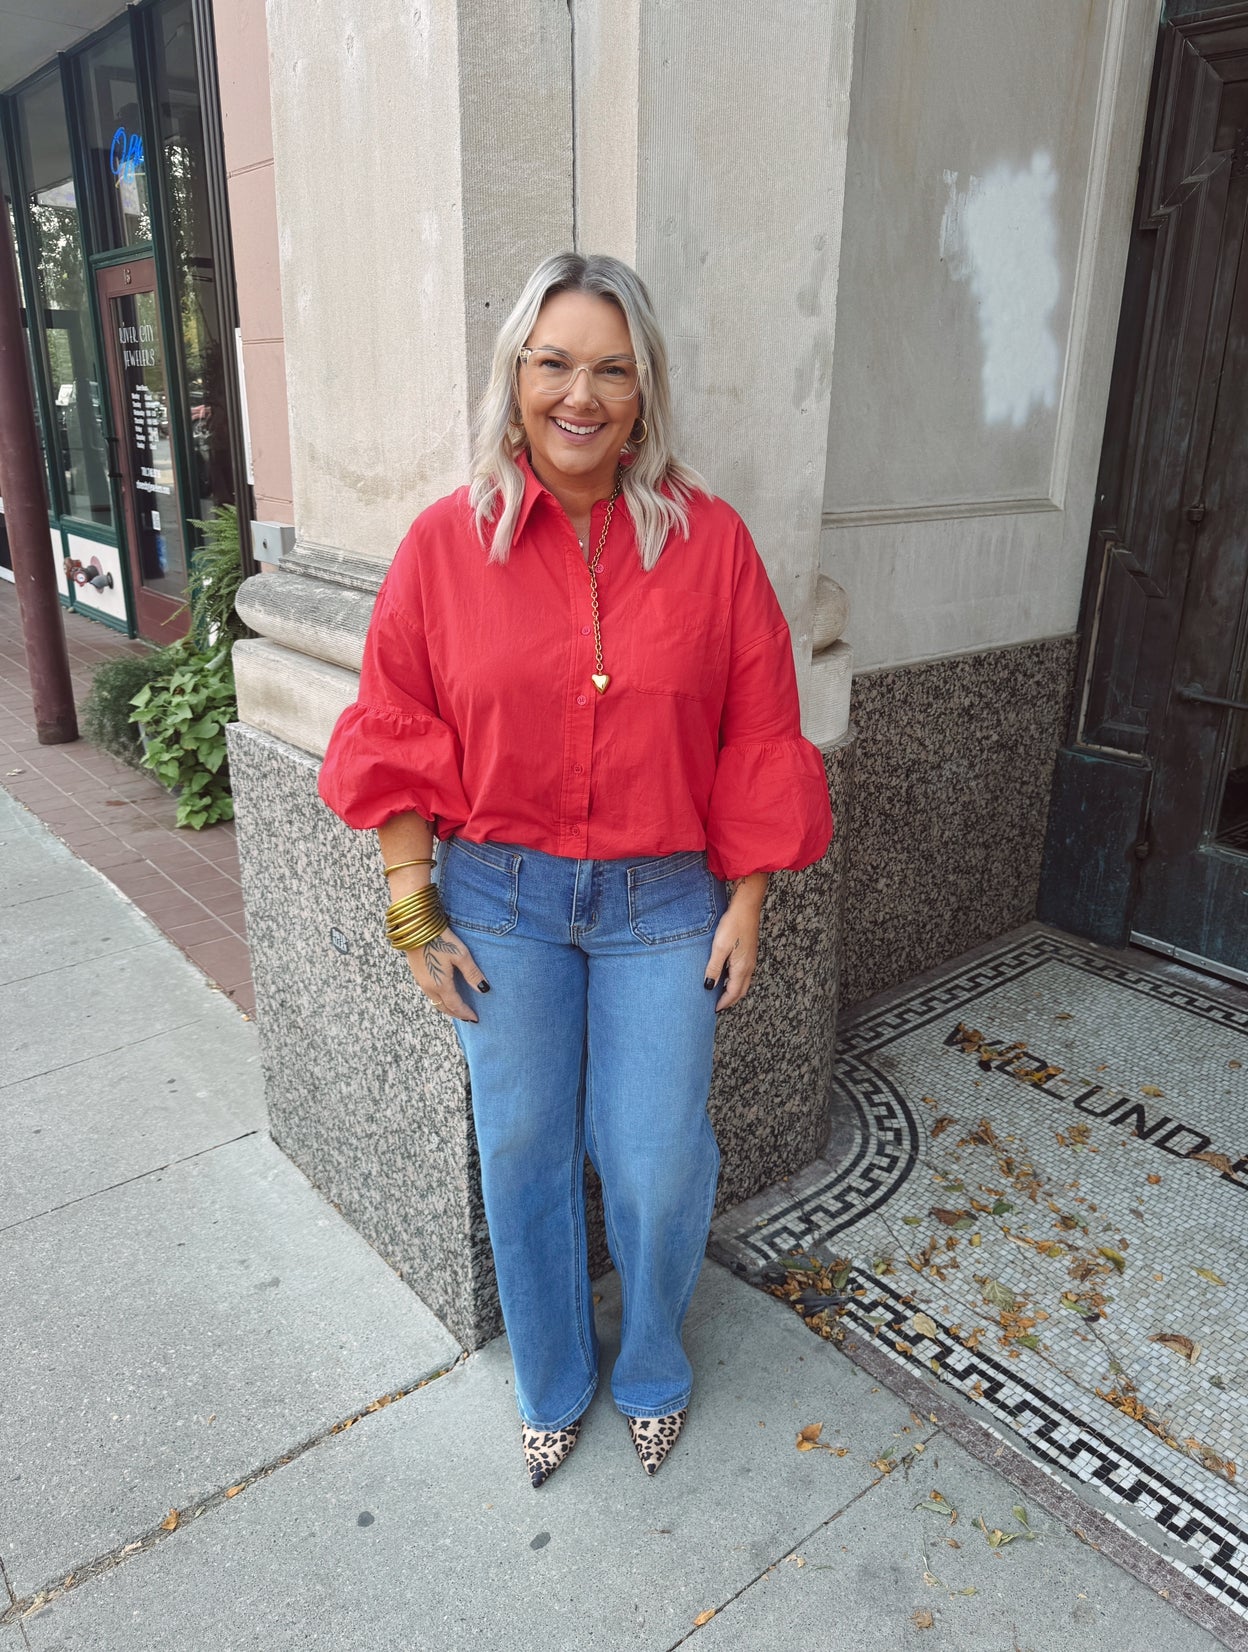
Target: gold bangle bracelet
[408, 941]
[400, 864]
[422, 901]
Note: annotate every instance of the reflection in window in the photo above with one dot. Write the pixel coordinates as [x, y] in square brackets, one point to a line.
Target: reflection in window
[9, 218]
[195, 273]
[62, 293]
[116, 149]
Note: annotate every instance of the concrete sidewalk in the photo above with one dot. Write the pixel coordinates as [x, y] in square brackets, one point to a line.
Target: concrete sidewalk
[226, 1423]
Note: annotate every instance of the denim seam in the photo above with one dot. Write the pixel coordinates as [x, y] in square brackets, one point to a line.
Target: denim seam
[635, 924]
[512, 878]
[682, 1400]
[580, 1259]
[617, 1252]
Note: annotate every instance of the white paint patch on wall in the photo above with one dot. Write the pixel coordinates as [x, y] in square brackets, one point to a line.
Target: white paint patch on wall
[999, 234]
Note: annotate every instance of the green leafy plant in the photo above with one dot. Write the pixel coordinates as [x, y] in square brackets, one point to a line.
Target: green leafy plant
[182, 718]
[106, 719]
[181, 713]
[215, 576]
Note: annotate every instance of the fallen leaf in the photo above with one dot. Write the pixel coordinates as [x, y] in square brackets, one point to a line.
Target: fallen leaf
[1208, 1273]
[170, 1524]
[922, 1619]
[1154, 1180]
[1000, 1296]
[1219, 1161]
[925, 1325]
[233, 1491]
[704, 1617]
[808, 1436]
[1116, 1257]
[942, 1124]
[1151, 1090]
[935, 1504]
[950, 1218]
[1179, 1344]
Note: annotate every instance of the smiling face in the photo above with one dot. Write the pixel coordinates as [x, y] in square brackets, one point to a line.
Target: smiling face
[574, 435]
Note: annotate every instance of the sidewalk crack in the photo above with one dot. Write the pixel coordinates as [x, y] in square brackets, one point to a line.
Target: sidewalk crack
[25, 1606]
[907, 1460]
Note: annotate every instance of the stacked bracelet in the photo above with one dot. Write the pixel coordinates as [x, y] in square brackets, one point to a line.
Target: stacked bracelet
[416, 919]
[400, 864]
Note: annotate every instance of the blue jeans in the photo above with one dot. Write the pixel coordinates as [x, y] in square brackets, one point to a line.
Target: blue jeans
[596, 1036]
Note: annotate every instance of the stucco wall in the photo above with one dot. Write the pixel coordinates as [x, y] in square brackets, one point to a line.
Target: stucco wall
[991, 173]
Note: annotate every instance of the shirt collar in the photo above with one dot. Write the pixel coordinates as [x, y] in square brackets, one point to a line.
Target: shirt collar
[533, 490]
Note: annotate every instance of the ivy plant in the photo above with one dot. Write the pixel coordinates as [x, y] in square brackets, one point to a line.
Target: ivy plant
[182, 718]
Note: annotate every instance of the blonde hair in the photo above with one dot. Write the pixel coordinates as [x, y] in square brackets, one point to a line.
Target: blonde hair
[656, 485]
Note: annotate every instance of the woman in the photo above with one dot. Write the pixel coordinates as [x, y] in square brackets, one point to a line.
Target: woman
[578, 677]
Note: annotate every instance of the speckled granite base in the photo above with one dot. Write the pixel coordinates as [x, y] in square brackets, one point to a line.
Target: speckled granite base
[773, 1051]
[950, 798]
[367, 1089]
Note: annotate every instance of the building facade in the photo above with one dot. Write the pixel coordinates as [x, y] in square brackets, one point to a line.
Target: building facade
[112, 173]
[903, 251]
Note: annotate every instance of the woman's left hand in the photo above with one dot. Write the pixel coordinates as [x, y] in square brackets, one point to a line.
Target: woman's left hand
[735, 946]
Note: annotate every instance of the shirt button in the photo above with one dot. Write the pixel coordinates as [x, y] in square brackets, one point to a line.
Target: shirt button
[584, 630]
[578, 768]
[580, 699]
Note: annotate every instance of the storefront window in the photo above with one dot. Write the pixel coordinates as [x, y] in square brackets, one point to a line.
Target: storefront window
[116, 148]
[8, 217]
[195, 273]
[66, 331]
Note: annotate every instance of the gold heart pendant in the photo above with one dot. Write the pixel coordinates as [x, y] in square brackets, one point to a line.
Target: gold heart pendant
[599, 680]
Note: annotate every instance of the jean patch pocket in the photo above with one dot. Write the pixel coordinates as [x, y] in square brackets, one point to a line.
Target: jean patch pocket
[671, 898]
[480, 886]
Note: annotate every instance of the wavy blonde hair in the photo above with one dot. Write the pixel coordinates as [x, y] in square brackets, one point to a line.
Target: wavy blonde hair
[657, 485]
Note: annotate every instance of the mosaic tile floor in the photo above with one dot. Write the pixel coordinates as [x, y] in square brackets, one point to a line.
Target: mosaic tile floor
[1044, 1175]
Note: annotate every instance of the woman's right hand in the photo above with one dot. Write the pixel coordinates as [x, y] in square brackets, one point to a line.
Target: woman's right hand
[434, 966]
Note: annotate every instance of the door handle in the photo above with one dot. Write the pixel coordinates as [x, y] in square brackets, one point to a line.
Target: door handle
[114, 472]
[1190, 692]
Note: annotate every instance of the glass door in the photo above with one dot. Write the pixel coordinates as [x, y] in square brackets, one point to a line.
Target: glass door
[143, 447]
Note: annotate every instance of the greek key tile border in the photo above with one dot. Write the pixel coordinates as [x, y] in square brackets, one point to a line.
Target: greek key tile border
[878, 1028]
[1056, 1433]
[1209, 1518]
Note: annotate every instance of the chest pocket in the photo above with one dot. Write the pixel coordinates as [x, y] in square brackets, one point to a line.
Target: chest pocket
[676, 643]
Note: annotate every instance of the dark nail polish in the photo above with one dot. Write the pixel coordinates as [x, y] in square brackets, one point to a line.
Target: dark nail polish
[483, 986]
[708, 983]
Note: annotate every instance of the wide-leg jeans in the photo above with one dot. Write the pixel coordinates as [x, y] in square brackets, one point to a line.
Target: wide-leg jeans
[596, 1036]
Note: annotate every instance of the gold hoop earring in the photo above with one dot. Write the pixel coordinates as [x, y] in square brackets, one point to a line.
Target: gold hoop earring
[515, 427]
[634, 438]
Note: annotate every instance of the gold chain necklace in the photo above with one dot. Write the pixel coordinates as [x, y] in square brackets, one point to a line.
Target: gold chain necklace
[598, 676]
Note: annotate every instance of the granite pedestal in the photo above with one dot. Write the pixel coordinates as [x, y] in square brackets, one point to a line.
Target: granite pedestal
[367, 1089]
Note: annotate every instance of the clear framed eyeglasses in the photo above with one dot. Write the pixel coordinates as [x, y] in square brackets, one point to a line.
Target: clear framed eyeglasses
[613, 378]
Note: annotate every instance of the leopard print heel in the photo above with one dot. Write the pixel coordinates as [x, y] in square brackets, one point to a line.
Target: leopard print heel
[544, 1450]
[654, 1437]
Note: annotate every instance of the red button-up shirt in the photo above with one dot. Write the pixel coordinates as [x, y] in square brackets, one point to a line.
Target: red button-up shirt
[476, 708]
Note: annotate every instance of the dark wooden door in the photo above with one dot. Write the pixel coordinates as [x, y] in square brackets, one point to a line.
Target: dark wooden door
[1148, 836]
[138, 386]
[1194, 879]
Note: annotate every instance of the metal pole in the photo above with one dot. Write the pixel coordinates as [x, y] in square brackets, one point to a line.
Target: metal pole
[26, 519]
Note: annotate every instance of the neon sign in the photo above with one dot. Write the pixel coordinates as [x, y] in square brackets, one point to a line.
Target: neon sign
[125, 157]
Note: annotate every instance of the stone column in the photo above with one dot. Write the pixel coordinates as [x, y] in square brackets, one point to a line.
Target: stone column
[425, 160]
[710, 153]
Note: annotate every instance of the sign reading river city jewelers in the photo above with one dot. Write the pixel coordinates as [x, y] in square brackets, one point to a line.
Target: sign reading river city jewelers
[1149, 1124]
